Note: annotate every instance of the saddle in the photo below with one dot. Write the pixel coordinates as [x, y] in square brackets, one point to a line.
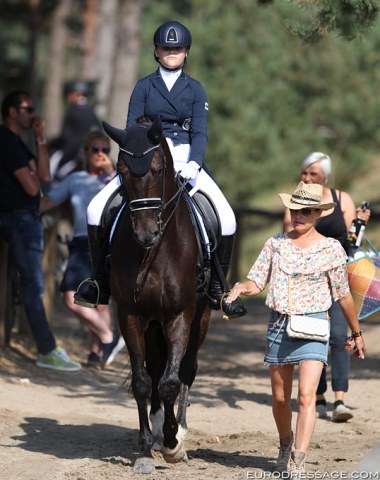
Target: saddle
[207, 230]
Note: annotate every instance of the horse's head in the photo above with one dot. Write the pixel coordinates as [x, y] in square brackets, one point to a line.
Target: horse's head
[141, 165]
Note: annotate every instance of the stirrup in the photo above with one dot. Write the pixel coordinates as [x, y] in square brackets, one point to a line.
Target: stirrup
[224, 314]
[83, 302]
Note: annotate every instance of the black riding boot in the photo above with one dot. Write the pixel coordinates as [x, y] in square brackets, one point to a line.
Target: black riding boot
[95, 290]
[218, 286]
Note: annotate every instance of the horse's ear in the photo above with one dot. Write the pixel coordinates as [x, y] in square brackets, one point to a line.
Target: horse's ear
[117, 134]
[155, 131]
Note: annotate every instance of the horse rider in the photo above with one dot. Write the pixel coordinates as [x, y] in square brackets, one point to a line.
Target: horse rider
[182, 105]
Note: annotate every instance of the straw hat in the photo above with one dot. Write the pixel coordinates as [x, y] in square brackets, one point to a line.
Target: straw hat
[306, 195]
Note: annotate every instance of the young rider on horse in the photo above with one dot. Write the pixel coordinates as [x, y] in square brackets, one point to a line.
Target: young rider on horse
[181, 103]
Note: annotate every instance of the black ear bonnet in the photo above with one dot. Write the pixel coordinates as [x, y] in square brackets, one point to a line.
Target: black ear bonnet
[137, 144]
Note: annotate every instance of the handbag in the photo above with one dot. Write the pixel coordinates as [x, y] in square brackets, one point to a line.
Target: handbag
[307, 327]
[364, 281]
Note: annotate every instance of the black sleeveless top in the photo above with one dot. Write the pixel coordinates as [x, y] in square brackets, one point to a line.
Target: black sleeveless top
[333, 225]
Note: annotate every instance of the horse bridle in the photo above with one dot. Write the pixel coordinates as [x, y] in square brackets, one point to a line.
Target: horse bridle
[154, 203]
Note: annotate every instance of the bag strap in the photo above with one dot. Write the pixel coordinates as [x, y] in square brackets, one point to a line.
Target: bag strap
[289, 295]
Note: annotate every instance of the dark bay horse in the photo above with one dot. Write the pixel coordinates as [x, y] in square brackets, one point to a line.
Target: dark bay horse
[154, 255]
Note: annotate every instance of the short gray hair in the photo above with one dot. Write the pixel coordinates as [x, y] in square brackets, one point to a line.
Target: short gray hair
[316, 157]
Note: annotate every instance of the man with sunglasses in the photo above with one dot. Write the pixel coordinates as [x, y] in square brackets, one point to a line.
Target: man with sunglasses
[79, 188]
[21, 174]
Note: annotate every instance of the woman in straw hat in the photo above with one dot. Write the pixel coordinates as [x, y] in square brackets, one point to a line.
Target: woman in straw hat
[316, 168]
[305, 272]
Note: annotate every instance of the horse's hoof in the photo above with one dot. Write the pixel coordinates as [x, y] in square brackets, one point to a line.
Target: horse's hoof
[175, 455]
[144, 465]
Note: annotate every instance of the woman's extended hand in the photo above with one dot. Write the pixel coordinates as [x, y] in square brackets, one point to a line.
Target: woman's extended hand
[248, 287]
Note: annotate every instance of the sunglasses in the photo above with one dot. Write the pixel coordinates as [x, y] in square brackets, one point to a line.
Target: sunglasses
[306, 212]
[28, 109]
[96, 149]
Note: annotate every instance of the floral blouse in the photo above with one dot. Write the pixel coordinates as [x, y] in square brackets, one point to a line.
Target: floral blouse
[301, 280]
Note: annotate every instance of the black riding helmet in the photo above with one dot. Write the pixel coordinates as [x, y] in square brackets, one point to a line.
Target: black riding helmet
[172, 34]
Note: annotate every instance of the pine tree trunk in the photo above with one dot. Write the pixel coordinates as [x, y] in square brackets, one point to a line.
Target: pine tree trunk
[105, 64]
[52, 96]
[126, 60]
[89, 45]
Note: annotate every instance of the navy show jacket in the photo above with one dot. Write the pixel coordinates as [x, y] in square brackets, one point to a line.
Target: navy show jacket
[183, 110]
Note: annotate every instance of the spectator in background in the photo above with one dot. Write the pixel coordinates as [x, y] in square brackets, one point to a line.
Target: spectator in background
[21, 175]
[79, 188]
[79, 119]
[335, 223]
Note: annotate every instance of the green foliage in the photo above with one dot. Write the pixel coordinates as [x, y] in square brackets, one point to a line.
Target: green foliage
[349, 18]
[274, 98]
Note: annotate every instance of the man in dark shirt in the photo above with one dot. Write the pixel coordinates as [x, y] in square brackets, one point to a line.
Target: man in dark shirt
[21, 175]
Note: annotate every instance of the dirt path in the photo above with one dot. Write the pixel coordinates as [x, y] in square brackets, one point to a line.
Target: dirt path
[83, 426]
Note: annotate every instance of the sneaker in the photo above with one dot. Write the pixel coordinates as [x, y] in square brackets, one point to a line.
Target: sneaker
[58, 359]
[341, 414]
[282, 464]
[321, 411]
[110, 350]
[93, 360]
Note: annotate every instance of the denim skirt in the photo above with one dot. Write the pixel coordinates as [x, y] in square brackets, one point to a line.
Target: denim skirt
[78, 264]
[282, 350]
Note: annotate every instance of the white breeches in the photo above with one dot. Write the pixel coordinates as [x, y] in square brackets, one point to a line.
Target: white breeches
[203, 182]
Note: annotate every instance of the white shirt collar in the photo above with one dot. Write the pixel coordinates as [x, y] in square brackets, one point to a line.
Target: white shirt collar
[170, 77]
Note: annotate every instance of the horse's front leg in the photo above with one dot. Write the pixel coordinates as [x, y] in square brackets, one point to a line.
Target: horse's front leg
[141, 388]
[173, 449]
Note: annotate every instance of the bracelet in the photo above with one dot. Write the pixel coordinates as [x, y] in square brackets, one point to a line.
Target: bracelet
[350, 339]
[41, 141]
[357, 334]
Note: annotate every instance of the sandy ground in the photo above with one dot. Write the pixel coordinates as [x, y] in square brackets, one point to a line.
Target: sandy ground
[84, 426]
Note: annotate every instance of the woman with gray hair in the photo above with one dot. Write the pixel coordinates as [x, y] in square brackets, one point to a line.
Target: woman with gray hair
[316, 168]
[324, 163]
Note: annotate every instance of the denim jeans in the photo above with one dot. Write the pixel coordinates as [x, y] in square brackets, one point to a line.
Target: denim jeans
[339, 357]
[23, 232]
